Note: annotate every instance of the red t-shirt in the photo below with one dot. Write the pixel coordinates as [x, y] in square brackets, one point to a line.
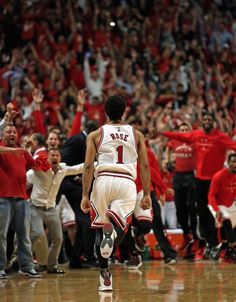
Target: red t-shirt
[210, 149]
[13, 174]
[222, 189]
[185, 157]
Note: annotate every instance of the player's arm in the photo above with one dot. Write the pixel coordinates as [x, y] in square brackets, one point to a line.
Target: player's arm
[182, 137]
[16, 151]
[212, 196]
[144, 170]
[89, 163]
[87, 176]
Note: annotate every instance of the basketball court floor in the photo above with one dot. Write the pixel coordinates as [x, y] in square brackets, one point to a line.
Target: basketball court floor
[186, 281]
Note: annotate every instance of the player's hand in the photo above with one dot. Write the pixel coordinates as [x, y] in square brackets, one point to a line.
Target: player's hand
[81, 97]
[85, 205]
[37, 96]
[146, 202]
[11, 113]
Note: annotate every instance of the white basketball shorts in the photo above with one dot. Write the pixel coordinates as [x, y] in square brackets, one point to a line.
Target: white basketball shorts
[113, 197]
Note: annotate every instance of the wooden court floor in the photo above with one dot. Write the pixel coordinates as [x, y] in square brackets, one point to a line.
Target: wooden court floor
[186, 281]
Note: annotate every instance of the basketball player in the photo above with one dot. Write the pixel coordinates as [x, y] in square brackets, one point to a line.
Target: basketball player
[222, 204]
[118, 147]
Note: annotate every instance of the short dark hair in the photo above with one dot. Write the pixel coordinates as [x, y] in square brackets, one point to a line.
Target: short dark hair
[208, 113]
[54, 149]
[184, 124]
[39, 138]
[115, 107]
[91, 125]
[231, 155]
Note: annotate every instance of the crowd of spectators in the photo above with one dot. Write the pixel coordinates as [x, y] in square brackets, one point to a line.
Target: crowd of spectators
[170, 59]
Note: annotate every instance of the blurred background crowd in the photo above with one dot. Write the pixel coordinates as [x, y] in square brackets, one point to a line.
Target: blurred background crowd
[170, 59]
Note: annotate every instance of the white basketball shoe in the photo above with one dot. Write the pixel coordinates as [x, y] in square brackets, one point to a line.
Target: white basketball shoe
[105, 280]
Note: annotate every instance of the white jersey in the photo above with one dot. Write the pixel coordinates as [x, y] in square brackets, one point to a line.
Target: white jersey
[117, 151]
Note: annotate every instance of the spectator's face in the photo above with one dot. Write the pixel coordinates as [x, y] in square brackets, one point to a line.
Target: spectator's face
[232, 165]
[152, 87]
[33, 143]
[95, 75]
[53, 140]
[24, 141]
[164, 166]
[207, 123]
[61, 40]
[54, 157]
[184, 129]
[10, 136]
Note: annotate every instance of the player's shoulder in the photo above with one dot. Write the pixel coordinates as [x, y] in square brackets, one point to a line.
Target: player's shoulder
[94, 134]
[138, 133]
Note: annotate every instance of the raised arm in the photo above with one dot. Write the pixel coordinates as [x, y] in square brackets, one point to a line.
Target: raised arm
[16, 151]
[227, 142]
[76, 126]
[8, 117]
[38, 96]
[182, 137]
[87, 75]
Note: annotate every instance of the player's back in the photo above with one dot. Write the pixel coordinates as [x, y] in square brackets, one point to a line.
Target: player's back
[117, 150]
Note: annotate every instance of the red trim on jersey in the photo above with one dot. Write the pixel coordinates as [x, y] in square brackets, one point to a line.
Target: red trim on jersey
[135, 139]
[118, 221]
[101, 138]
[116, 174]
[93, 214]
[68, 224]
[95, 225]
[144, 218]
[116, 218]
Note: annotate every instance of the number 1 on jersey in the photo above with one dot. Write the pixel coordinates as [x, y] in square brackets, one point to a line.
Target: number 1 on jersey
[119, 150]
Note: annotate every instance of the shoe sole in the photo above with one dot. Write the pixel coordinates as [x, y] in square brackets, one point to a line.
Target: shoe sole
[29, 275]
[105, 289]
[3, 277]
[107, 243]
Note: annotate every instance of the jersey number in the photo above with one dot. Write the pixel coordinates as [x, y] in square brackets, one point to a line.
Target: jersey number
[119, 150]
